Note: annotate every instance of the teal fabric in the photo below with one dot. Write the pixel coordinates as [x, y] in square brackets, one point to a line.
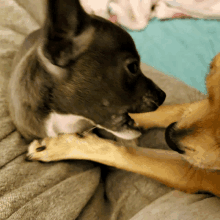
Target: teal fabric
[182, 48]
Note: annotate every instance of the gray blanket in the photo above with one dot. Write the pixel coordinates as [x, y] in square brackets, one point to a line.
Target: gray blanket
[81, 190]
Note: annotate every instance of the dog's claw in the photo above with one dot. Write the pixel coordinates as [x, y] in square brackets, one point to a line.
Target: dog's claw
[34, 150]
[28, 158]
[39, 149]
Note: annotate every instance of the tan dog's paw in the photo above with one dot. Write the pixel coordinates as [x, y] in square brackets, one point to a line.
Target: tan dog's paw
[38, 151]
[69, 146]
[62, 147]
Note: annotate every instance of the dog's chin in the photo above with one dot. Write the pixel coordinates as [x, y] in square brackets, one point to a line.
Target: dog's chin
[128, 130]
[126, 133]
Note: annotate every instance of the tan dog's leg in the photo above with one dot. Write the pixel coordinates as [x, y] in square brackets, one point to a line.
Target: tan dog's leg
[162, 117]
[165, 166]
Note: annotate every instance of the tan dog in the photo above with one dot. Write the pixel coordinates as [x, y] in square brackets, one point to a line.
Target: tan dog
[195, 136]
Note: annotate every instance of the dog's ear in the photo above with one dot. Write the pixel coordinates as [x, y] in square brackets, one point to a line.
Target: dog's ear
[213, 81]
[67, 31]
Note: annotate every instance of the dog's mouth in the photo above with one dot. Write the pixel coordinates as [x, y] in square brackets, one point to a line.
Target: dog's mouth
[128, 129]
[130, 123]
[153, 105]
[123, 122]
[145, 105]
[122, 126]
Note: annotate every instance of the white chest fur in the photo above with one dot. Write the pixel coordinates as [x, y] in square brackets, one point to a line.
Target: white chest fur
[66, 123]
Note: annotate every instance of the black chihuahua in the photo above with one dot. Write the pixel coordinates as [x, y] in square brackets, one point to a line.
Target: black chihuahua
[77, 72]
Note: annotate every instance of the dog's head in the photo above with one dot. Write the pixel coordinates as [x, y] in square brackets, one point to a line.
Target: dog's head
[197, 134]
[95, 69]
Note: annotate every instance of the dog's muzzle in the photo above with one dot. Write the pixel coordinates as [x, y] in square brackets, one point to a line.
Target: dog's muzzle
[122, 126]
[148, 103]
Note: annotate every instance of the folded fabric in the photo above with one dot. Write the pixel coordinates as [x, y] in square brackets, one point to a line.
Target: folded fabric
[135, 14]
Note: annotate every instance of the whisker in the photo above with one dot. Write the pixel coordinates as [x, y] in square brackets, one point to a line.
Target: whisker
[89, 130]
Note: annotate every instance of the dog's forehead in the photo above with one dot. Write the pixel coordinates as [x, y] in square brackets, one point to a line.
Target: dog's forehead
[113, 37]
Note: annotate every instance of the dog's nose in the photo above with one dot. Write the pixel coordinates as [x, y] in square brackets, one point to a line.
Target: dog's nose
[161, 96]
[171, 138]
[157, 93]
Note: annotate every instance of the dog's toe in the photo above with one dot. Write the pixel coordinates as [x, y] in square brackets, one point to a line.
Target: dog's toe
[29, 157]
[34, 151]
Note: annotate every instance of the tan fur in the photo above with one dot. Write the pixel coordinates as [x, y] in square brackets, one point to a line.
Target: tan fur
[203, 145]
[167, 167]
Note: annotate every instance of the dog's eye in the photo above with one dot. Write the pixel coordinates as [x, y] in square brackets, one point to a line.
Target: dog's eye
[133, 67]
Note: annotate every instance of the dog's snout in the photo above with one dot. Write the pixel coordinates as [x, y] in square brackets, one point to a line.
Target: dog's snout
[157, 94]
[171, 138]
[151, 97]
[161, 96]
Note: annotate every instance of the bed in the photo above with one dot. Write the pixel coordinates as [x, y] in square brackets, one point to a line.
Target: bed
[84, 190]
